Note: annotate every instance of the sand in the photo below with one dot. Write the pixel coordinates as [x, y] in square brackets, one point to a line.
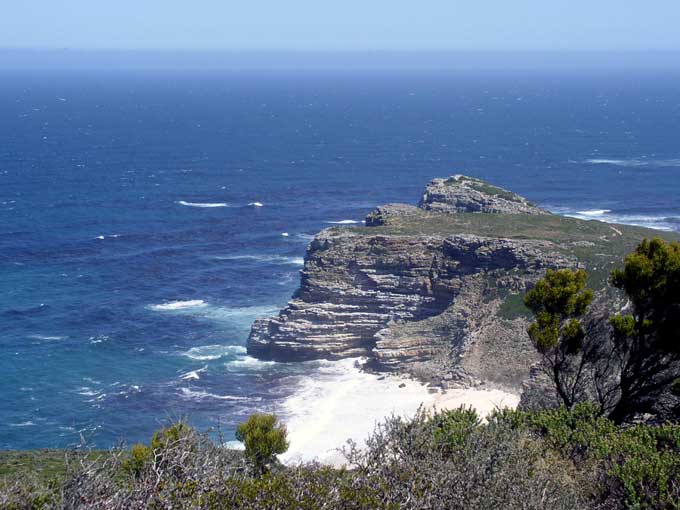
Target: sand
[341, 402]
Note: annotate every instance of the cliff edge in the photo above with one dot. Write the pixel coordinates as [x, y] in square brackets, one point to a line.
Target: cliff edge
[437, 290]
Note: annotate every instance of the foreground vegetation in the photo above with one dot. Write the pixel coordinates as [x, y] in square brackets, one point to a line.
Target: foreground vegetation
[555, 459]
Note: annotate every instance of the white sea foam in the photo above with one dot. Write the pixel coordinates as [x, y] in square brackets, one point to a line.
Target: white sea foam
[285, 234]
[340, 402]
[255, 204]
[238, 316]
[242, 316]
[87, 391]
[635, 162]
[594, 212]
[48, 337]
[193, 375]
[213, 352]
[658, 222]
[179, 305]
[249, 362]
[343, 222]
[22, 424]
[278, 259]
[655, 222]
[203, 204]
[199, 395]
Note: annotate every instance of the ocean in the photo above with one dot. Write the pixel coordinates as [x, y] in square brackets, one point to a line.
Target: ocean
[147, 217]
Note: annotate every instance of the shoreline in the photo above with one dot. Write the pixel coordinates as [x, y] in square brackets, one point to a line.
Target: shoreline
[343, 402]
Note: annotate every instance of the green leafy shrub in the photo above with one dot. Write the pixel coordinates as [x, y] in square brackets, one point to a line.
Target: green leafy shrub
[646, 461]
[263, 438]
[452, 428]
[639, 464]
[577, 433]
[141, 456]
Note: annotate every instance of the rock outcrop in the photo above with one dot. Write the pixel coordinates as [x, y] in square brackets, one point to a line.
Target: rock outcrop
[436, 290]
[461, 193]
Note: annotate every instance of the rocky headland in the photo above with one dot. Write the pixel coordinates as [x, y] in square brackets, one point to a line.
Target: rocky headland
[436, 291]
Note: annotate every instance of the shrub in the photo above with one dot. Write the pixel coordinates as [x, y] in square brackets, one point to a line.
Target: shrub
[638, 466]
[263, 438]
[140, 455]
[556, 459]
[646, 462]
[452, 428]
[451, 461]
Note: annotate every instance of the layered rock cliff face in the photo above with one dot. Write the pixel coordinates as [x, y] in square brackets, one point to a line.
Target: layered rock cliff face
[436, 290]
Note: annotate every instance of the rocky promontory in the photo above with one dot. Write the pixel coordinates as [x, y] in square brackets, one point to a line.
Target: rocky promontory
[437, 290]
[461, 194]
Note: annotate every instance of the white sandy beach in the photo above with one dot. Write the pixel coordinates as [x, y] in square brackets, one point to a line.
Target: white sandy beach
[342, 403]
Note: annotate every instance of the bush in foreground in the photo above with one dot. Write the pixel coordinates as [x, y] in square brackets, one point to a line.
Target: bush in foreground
[553, 459]
[264, 439]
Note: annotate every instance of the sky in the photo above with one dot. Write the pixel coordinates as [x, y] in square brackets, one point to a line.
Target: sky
[341, 25]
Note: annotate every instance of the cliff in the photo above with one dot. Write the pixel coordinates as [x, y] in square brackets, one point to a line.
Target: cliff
[437, 290]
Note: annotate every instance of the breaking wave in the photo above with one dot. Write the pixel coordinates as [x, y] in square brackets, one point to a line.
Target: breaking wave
[249, 362]
[48, 337]
[239, 317]
[658, 222]
[179, 305]
[203, 204]
[635, 162]
[213, 352]
[277, 259]
[199, 395]
[193, 374]
[594, 212]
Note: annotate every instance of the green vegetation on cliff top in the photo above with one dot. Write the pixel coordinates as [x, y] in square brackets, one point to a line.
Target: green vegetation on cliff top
[600, 246]
[485, 187]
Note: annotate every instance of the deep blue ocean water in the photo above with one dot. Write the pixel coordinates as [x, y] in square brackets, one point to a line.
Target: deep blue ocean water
[133, 255]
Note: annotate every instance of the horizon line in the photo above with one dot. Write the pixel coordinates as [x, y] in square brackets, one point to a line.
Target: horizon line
[338, 51]
[37, 59]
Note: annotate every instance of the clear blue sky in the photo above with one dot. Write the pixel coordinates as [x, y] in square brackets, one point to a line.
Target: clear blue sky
[303, 25]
